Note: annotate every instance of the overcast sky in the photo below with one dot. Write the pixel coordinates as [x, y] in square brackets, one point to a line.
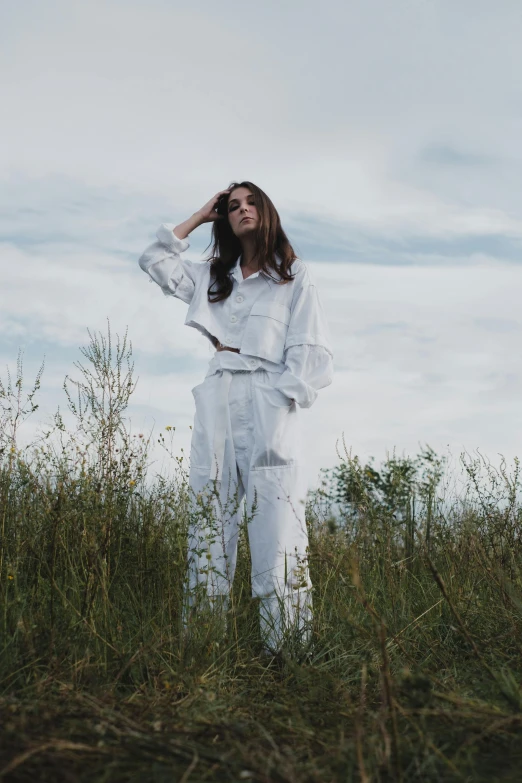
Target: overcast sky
[386, 133]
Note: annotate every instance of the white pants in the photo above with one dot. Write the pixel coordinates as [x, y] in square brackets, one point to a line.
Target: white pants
[246, 443]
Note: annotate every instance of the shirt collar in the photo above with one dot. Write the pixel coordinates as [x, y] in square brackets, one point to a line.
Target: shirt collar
[238, 274]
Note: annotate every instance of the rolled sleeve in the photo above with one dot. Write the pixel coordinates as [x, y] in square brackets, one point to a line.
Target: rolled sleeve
[162, 262]
[308, 356]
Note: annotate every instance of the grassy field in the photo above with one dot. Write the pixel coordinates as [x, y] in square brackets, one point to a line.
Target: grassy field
[415, 666]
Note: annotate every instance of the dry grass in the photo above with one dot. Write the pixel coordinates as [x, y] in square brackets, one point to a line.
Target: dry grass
[414, 673]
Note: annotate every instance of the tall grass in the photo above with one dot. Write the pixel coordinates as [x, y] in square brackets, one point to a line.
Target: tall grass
[415, 667]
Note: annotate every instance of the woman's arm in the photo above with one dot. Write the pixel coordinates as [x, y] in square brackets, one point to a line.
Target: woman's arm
[207, 214]
[163, 263]
[308, 353]
[187, 227]
[162, 260]
[308, 369]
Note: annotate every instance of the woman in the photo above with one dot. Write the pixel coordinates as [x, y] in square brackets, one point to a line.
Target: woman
[258, 305]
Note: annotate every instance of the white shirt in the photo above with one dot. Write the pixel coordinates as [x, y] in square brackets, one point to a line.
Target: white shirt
[281, 328]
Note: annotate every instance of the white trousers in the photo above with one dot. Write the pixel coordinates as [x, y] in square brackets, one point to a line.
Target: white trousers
[246, 444]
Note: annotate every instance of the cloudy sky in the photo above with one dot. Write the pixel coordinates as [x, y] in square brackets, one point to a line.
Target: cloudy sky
[386, 133]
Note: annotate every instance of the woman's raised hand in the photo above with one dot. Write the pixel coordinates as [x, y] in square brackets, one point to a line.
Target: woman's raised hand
[207, 213]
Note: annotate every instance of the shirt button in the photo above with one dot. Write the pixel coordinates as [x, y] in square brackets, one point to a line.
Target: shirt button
[233, 319]
[239, 298]
[252, 362]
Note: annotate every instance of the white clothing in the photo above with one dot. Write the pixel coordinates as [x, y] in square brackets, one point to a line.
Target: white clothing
[261, 463]
[246, 435]
[271, 324]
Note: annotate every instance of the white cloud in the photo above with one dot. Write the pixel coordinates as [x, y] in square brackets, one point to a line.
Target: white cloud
[328, 110]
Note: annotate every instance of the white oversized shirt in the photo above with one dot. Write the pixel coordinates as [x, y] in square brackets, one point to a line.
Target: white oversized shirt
[281, 328]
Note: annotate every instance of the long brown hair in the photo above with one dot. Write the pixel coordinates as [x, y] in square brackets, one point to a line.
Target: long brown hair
[272, 250]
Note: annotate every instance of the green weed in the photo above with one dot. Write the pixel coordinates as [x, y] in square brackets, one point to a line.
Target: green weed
[414, 670]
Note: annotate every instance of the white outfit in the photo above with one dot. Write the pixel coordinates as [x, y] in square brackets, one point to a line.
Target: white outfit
[246, 436]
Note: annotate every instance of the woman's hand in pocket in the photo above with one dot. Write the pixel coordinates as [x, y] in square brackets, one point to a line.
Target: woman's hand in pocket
[279, 399]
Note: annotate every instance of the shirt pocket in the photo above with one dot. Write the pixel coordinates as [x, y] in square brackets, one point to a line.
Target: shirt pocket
[266, 330]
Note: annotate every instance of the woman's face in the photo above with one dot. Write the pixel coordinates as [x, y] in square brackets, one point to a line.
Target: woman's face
[242, 212]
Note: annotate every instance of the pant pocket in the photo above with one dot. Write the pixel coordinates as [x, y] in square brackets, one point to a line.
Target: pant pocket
[278, 398]
[201, 444]
[265, 381]
[276, 426]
